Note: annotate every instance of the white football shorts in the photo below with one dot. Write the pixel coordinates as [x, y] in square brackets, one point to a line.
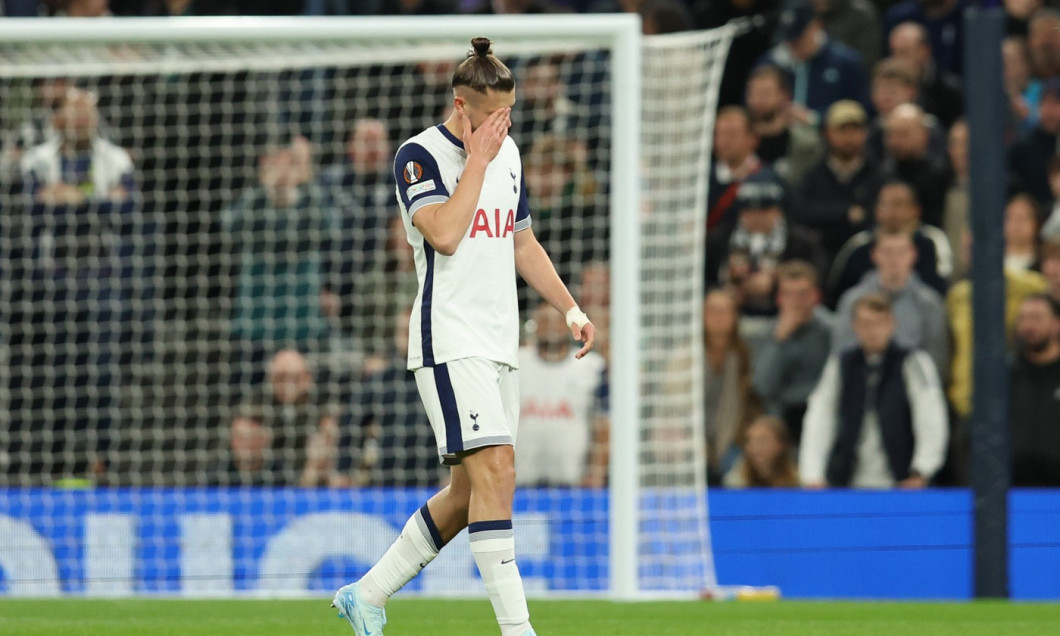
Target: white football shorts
[471, 403]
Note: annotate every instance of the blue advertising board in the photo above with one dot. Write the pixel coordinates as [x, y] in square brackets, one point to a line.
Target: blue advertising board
[222, 542]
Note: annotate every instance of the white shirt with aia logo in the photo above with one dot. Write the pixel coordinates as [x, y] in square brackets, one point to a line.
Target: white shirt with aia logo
[466, 305]
[558, 402]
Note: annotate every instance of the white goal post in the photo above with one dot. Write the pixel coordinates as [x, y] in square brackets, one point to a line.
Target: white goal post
[662, 95]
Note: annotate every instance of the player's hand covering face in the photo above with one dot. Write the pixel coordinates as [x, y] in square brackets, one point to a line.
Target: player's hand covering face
[485, 120]
[486, 141]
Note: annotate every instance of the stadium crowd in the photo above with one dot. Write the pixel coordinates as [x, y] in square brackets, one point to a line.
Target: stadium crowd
[837, 326]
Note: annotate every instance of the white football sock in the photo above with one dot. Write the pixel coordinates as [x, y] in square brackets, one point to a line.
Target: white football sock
[416, 546]
[493, 546]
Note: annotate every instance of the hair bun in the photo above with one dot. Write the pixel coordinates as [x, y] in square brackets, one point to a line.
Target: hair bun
[480, 47]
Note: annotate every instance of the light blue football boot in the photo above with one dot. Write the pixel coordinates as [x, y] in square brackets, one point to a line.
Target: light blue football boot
[365, 618]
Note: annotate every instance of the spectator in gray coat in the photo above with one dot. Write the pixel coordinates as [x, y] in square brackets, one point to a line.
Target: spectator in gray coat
[920, 314]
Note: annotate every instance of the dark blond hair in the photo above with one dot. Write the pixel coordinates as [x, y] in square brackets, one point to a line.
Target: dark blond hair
[797, 269]
[482, 71]
[875, 302]
[895, 69]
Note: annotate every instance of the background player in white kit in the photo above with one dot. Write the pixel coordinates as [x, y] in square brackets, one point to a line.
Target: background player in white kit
[562, 422]
[463, 202]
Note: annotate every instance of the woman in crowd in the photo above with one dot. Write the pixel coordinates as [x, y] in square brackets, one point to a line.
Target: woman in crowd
[730, 401]
[767, 460]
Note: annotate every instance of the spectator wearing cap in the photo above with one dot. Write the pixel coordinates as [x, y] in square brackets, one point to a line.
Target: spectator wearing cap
[836, 197]
[1034, 394]
[823, 71]
[944, 21]
[897, 210]
[1029, 158]
[940, 91]
[747, 260]
[919, 312]
[909, 157]
[791, 146]
[855, 23]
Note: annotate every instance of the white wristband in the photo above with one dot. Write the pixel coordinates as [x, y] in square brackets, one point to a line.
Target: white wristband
[575, 316]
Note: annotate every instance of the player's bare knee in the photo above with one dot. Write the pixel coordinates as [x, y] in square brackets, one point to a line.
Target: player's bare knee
[492, 468]
[499, 478]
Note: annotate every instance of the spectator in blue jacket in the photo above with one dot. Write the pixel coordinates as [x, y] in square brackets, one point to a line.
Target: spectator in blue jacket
[822, 70]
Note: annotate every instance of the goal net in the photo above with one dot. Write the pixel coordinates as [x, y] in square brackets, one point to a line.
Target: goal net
[205, 285]
[681, 76]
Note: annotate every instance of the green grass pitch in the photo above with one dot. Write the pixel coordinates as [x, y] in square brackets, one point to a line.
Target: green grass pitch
[551, 618]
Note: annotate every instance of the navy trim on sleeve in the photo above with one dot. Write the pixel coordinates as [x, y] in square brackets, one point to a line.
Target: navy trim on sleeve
[418, 177]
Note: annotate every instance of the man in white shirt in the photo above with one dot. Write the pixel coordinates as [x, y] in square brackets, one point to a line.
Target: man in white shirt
[562, 429]
[877, 418]
[463, 202]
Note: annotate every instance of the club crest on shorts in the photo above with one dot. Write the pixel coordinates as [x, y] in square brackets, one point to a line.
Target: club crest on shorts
[474, 418]
[413, 172]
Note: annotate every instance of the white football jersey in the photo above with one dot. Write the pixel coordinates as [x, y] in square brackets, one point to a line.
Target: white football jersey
[466, 305]
[557, 403]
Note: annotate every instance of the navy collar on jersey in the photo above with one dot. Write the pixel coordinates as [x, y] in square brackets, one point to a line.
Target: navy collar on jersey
[450, 136]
